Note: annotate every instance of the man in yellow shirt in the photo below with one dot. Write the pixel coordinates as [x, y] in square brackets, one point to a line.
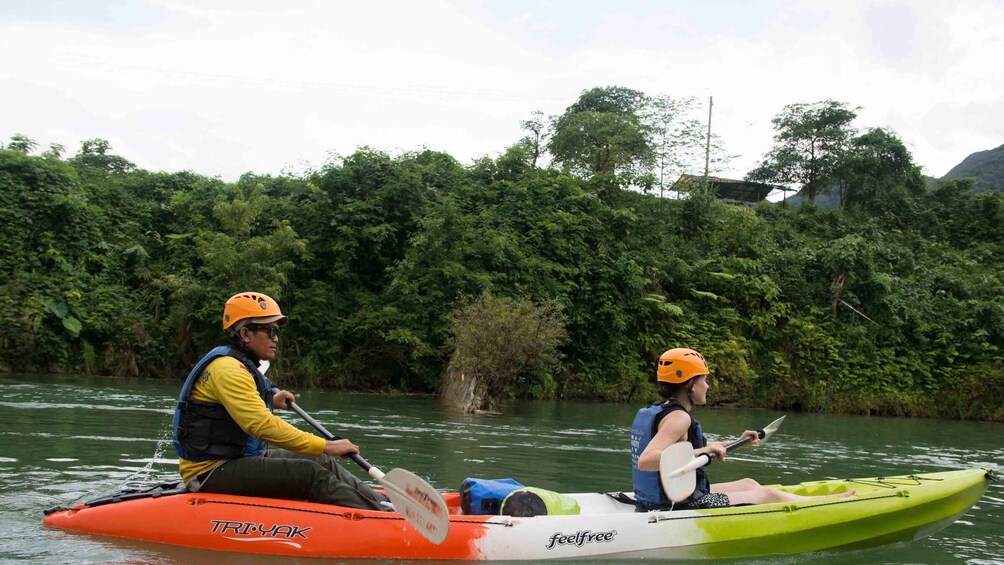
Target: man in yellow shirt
[229, 441]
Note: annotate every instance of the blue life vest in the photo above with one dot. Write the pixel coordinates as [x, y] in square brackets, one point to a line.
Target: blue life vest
[204, 431]
[648, 490]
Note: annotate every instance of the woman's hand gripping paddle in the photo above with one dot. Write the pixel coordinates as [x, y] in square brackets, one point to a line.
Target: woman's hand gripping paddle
[420, 504]
[677, 465]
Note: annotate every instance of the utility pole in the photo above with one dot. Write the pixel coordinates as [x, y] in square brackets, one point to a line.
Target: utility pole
[707, 147]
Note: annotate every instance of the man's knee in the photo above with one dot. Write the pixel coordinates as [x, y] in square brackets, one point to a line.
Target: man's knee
[304, 469]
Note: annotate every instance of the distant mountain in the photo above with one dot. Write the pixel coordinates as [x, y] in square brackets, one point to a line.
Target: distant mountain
[987, 167]
[827, 200]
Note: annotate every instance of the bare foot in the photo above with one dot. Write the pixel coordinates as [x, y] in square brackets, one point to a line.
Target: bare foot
[835, 495]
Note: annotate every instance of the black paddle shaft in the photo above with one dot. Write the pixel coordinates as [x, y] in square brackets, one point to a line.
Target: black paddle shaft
[327, 435]
[736, 444]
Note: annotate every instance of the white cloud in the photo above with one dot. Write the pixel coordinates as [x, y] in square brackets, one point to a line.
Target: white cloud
[222, 88]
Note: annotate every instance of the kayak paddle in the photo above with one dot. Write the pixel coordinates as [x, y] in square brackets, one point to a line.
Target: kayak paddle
[677, 464]
[420, 504]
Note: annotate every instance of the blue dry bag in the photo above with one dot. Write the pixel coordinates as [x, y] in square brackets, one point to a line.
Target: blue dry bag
[485, 496]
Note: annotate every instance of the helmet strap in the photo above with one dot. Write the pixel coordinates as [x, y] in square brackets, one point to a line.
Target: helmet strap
[238, 344]
[690, 392]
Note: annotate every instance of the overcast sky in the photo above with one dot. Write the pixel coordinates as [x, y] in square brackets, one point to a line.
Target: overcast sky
[227, 87]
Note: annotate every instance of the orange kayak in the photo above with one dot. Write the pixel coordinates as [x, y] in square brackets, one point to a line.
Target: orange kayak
[271, 526]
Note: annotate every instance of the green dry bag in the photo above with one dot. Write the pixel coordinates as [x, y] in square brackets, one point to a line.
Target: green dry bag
[532, 501]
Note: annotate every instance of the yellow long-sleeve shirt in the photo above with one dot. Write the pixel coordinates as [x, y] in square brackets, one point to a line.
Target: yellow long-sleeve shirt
[226, 381]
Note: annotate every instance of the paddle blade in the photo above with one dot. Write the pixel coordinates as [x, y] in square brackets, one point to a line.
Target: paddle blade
[771, 428]
[678, 482]
[420, 504]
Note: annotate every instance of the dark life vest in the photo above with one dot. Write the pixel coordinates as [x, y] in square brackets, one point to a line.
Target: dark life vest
[204, 431]
[648, 490]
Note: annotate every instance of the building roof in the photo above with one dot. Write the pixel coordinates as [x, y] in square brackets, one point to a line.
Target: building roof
[729, 190]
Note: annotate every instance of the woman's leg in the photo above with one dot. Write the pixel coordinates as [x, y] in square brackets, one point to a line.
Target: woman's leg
[735, 486]
[748, 491]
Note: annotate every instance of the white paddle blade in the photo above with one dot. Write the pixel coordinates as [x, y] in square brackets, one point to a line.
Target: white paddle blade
[420, 504]
[771, 428]
[677, 481]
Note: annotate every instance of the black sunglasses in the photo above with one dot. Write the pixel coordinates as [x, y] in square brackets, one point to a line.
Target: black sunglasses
[273, 331]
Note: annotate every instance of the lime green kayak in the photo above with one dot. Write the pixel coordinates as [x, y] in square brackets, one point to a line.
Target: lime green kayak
[882, 510]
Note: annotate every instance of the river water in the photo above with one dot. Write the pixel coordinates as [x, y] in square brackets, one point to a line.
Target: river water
[67, 439]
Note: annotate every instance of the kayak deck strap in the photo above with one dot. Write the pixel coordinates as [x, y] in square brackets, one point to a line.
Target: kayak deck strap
[165, 489]
[622, 498]
[663, 516]
[895, 482]
[348, 515]
[340, 514]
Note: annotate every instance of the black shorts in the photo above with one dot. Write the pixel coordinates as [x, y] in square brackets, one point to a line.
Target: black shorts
[711, 500]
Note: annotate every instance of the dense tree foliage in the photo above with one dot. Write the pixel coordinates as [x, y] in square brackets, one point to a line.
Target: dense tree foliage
[635, 139]
[877, 175]
[890, 305]
[809, 145]
[499, 341]
[603, 132]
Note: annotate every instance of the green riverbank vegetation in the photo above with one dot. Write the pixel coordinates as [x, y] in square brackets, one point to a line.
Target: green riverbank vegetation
[891, 303]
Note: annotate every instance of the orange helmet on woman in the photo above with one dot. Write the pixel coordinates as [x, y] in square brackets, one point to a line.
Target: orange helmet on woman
[680, 365]
[253, 306]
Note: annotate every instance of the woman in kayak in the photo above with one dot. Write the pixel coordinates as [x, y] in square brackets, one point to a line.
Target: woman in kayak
[683, 384]
[229, 441]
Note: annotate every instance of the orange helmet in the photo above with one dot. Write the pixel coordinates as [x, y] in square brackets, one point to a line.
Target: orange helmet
[251, 305]
[680, 365]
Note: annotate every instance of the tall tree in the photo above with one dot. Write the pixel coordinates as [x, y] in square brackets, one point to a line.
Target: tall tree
[603, 132]
[55, 151]
[21, 143]
[537, 134]
[94, 156]
[878, 175]
[678, 138]
[809, 143]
